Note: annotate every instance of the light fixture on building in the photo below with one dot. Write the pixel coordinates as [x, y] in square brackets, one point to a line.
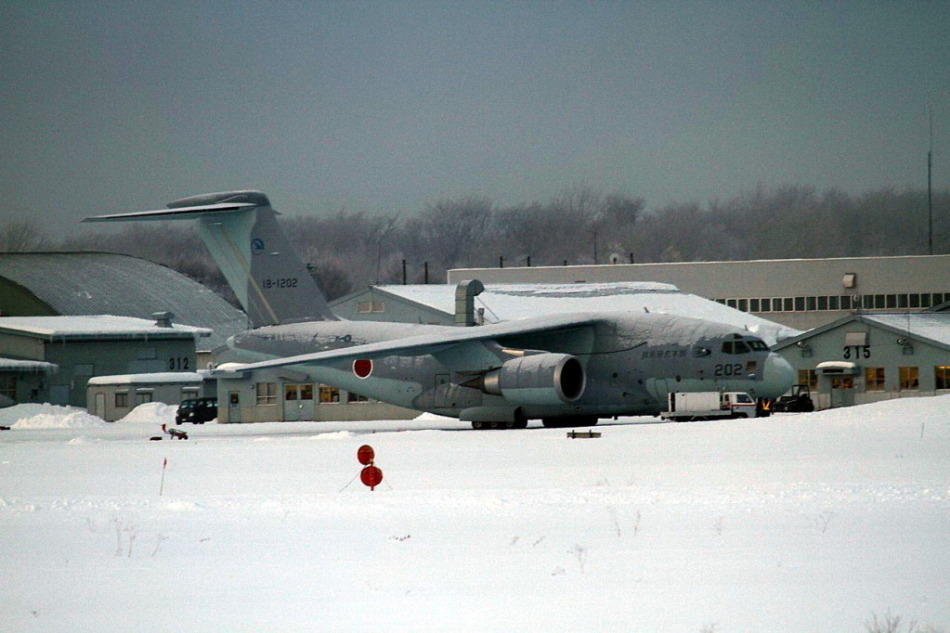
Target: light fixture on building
[850, 280]
[907, 347]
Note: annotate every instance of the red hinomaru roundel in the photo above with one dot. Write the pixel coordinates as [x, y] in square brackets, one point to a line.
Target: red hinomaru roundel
[362, 367]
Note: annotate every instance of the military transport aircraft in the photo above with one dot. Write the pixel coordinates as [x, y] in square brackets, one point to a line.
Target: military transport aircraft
[567, 370]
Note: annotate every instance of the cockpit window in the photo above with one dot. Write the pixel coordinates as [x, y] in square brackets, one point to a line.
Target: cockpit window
[735, 347]
[743, 347]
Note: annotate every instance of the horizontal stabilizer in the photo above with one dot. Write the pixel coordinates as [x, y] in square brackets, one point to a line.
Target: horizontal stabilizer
[180, 213]
[241, 232]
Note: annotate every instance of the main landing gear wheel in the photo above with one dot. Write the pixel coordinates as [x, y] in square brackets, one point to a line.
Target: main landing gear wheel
[520, 422]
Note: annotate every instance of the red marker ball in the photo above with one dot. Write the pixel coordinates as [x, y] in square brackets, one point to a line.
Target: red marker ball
[371, 476]
[365, 454]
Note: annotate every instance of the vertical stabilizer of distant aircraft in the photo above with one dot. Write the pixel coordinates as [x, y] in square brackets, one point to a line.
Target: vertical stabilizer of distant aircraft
[241, 231]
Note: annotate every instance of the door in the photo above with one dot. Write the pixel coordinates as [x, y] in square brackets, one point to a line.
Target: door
[442, 386]
[291, 402]
[842, 391]
[234, 406]
[101, 405]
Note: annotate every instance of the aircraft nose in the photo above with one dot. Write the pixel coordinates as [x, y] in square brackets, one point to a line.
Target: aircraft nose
[777, 378]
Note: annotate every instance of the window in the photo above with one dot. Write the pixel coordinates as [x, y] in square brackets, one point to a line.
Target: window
[799, 304]
[753, 305]
[267, 393]
[8, 386]
[909, 378]
[765, 306]
[823, 303]
[290, 393]
[914, 300]
[121, 400]
[925, 300]
[364, 307]
[845, 302]
[329, 394]
[901, 301]
[874, 379]
[808, 377]
[306, 392]
[842, 382]
[891, 301]
[942, 376]
[731, 303]
[355, 397]
[833, 302]
[143, 397]
[937, 299]
[879, 302]
[811, 303]
[777, 304]
[744, 305]
[787, 304]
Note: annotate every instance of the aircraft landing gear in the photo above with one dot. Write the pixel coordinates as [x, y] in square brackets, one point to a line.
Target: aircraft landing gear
[520, 422]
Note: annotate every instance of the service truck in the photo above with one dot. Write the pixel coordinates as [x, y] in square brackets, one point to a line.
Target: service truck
[708, 405]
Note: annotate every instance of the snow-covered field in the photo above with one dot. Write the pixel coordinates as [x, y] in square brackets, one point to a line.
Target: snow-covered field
[810, 522]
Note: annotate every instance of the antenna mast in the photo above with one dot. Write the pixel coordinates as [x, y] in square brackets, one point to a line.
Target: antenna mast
[930, 208]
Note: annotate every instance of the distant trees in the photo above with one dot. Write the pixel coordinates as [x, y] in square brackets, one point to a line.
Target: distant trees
[347, 250]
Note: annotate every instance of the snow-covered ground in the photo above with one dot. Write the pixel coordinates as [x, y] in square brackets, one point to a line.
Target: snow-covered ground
[809, 522]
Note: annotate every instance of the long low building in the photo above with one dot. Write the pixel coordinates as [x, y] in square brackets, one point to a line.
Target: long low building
[51, 359]
[800, 293]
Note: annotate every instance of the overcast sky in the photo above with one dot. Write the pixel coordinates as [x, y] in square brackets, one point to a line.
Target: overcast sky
[388, 106]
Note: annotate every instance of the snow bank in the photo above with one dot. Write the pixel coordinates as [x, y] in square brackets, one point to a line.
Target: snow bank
[151, 413]
[48, 416]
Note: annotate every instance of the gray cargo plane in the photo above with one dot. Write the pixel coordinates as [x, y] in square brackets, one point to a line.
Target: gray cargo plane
[567, 370]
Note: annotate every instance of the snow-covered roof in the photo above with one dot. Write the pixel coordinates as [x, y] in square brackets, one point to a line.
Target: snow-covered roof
[933, 326]
[503, 302]
[13, 364]
[157, 378]
[108, 283]
[100, 325]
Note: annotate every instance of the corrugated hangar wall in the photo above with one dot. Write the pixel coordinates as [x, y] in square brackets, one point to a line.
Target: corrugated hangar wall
[39, 284]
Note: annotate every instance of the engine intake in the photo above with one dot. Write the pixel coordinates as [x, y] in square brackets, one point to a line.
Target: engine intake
[538, 379]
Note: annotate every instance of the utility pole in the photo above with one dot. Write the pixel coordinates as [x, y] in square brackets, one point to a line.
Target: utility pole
[930, 207]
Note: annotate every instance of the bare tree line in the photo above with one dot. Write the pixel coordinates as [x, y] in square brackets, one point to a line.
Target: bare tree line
[349, 250]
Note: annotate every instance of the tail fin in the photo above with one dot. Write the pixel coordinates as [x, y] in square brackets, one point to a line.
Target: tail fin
[241, 231]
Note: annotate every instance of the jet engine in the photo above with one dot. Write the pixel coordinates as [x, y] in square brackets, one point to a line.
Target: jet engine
[537, 379]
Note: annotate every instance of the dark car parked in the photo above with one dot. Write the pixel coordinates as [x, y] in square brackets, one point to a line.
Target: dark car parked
[197, 410]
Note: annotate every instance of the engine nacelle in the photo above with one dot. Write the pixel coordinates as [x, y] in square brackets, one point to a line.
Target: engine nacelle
[538, 379]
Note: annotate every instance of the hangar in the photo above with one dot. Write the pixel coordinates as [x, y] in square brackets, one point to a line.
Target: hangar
[868, 357]
[51, 358]
[799, 293]
[86, 283]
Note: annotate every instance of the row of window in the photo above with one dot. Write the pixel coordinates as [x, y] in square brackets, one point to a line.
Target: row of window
[908, 378]
[267, 393]
[141, 397]
[838, 302]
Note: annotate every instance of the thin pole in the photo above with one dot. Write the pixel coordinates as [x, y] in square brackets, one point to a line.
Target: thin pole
[930, 207]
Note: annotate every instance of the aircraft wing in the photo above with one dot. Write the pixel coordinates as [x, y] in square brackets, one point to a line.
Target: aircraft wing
[437, 343]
